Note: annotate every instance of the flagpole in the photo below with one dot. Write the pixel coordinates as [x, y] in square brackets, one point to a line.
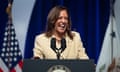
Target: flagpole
[112, 15]
[8, 11]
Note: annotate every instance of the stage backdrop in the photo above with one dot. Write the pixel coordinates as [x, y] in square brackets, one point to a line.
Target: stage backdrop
[89, 18]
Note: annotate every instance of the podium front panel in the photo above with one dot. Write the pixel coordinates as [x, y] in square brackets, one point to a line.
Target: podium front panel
[58, 65]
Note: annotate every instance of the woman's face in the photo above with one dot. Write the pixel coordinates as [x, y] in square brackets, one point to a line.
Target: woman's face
[62, 22]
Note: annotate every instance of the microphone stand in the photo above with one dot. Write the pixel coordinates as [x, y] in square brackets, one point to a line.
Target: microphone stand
[58, 52]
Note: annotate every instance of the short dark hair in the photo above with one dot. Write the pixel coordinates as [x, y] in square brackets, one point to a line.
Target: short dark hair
[53, 17]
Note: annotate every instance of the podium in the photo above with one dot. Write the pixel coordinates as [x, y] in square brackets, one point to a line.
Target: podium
[58, 65]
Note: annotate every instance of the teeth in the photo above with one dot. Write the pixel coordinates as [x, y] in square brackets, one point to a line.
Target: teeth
[62, 25]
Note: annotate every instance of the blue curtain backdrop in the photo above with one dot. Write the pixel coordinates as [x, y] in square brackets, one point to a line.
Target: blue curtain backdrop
[89, 18]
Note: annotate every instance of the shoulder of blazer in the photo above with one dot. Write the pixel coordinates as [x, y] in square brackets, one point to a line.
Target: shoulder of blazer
[76, 34]
[41, 36]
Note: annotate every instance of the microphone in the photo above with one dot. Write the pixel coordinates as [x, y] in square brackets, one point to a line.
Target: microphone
[63, 44]
[55, 49]
[53, 44]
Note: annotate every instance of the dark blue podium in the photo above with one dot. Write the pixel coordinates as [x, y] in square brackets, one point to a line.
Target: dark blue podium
[58, 65]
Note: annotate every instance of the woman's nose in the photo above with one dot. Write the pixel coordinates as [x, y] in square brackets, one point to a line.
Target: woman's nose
[63, 20]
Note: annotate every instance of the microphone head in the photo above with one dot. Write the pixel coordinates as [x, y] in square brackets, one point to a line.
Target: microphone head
[53, 43]
[63, 44]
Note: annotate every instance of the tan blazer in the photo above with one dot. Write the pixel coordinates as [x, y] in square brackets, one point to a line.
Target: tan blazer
[74, 49]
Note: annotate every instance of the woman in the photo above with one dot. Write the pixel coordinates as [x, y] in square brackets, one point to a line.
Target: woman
[59, 42]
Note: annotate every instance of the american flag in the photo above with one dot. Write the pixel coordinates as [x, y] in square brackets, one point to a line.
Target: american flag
[10, 54]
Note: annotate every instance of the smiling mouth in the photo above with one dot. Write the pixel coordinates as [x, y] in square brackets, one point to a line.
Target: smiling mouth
[62, 25]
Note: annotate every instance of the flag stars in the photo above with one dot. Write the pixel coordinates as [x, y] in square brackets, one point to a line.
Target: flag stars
[12, 27]
[7, 54]
[2, 54]
[11, 48]
[16, 43]
[15, 53]
[10, 59]
[8, 49]
[9, 64]
[3, 49]
[6, 59]
[15, 48]
[11, 54]
[12, 33]
[19, 53]
[6, 33]
[15, 59]
[4, 44]
[12, 43]
[12, 38]
[5, 39]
